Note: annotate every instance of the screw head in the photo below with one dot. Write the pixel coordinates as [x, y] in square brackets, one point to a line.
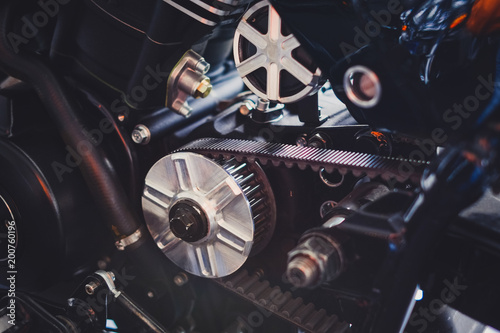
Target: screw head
[141, 135]
[203, 89]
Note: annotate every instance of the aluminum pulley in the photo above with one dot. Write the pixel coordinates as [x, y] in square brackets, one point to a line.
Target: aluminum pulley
[269, 58]
[208, 216]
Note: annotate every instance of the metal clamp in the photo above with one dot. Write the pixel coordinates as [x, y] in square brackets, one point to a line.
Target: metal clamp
[130, 239]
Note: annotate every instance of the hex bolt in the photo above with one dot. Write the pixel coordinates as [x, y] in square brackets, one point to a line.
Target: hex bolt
[181, 279]
[91, 287]
[204, 88]
[141, 135]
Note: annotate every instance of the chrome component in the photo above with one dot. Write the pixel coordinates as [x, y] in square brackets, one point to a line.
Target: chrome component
[187, 79]
[275, 53]
[207, 216]
[303, 272]
[91, 287]
[210, 10]
[362, 86]
[317, 258]
[190, 13]
[264, 113]
[130, 239]
[109, 278]
[141, 135]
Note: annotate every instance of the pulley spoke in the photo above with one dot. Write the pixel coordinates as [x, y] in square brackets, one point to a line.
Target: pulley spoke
[290, 43]
[207, 260]
[274, 25]
[273, 82]
[251, 64]
[158, 197]
[252, 35]
[295, 68]
[183, 174]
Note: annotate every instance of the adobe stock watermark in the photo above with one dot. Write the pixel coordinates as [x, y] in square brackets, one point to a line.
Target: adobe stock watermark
[151, 81]
[373, 28]
[421, 318]
[31, 25]
[455, 116]
[74, 158]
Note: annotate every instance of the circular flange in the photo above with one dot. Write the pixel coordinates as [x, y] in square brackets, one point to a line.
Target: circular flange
[198, 214]
[362, 86]
[271, 60]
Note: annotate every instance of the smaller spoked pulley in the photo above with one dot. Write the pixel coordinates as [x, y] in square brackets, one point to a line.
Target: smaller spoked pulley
[271, 60]
[208, 216]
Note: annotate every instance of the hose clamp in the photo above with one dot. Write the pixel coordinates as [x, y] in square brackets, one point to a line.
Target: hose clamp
[130, 239]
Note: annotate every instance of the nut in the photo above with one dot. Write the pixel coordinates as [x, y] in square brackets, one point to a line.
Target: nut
[203, 89]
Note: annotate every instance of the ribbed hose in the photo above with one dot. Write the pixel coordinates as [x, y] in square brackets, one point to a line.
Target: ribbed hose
[65, 112]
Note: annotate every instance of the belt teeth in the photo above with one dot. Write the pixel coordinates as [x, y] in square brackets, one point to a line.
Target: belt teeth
[283, 304]
[303, 157]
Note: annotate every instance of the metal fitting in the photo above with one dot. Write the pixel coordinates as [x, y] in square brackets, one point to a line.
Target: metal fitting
[141, 135]
[187, 79]
[203, 89]
[129, 240]
[247, 107]
[91, 287]
[317, 258]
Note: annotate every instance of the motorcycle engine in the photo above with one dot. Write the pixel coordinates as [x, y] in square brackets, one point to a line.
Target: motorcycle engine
[248, 166]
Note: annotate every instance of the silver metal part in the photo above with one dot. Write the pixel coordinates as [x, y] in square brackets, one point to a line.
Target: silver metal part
[109, 279]
[141, 135]
[274, 53]
[264, 113]
[91, 287]
[362, 86]
[130, 239]
[205, 215]
[212, 12]
[187, 79]
[317, 258]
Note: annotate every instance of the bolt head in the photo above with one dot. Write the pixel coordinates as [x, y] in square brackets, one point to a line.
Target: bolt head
[141, 135]
[188, 222]
[203, 89]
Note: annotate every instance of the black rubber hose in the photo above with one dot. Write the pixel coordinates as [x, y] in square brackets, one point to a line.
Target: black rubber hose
[66, 114]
